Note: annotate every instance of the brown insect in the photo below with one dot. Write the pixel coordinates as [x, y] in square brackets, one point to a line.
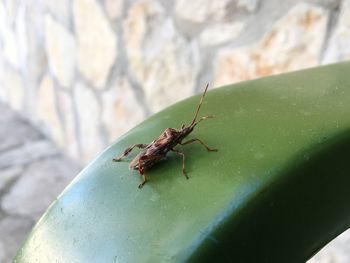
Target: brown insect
[158, 149]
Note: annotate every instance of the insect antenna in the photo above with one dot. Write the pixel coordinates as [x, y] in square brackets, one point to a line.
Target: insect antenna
[199, 106]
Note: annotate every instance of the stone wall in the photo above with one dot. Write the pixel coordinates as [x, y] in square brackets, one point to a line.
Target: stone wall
[86, 71]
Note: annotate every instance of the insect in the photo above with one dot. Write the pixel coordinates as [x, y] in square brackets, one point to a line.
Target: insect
[159, 148]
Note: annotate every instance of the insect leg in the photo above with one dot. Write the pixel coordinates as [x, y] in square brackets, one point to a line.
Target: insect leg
[198, 140]
[183, 161]
[202, 119]
[142, 172]
[128, 150]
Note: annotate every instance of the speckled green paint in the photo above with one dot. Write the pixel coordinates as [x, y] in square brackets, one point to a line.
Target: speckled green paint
[271, 134]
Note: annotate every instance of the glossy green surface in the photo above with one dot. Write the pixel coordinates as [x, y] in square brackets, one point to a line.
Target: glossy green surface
[276, 191]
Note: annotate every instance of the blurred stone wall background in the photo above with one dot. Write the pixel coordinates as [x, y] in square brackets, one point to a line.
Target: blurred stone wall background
[86, 71]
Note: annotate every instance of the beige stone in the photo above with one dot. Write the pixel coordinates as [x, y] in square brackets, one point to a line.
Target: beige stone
[339, 45]
[3, 18]
[37, 59]
[61, 50]
[7, 37]
[220, 33]
[21, 35]
[121, 109]
[65, 104]
[10, 47]
[47, 112]
[294, 42]
[13, 33]
[163, 62]
[200, 11]
[59, 9]
[97, 43]
[114, 8]
[88, 111]
[13, 88]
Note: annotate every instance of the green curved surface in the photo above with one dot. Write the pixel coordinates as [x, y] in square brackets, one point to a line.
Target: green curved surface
[277, 190]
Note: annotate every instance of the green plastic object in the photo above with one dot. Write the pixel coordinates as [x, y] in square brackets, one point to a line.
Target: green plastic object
[277, 190]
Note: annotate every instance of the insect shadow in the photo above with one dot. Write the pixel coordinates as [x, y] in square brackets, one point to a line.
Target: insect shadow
[158, 149]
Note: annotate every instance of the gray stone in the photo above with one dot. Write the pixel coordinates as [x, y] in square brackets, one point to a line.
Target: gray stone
[13, 232]
[27, 153]
[32, 174]
[3, 256]
[16, 130]
[8, 175]
[3, 95]
[97, 43]
[339, 45]
[248, 5]
[240, 7]
[29, 196]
